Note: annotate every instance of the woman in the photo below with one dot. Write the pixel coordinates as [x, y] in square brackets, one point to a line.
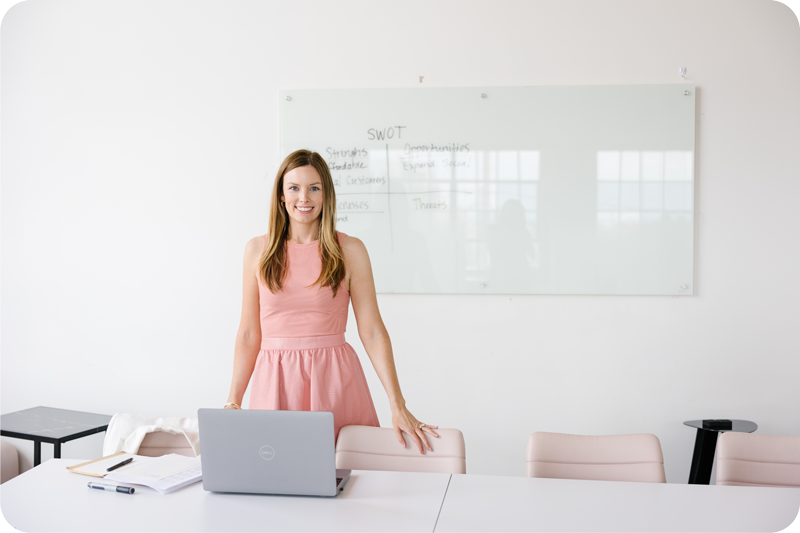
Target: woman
[298, 282]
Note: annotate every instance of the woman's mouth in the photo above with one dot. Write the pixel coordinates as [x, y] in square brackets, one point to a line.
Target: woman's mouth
[304, 209]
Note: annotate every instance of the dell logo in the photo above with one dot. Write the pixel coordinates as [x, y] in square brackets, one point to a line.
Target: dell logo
[266, 452]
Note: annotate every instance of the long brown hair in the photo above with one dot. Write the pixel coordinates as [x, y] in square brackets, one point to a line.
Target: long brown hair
[273, 264]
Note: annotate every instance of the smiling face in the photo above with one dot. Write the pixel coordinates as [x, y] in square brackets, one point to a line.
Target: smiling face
[302, 194]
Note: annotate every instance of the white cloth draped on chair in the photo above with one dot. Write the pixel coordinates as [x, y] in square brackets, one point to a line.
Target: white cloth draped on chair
[126, 432]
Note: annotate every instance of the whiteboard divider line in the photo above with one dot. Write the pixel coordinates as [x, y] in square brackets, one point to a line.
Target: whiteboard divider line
[389, 200]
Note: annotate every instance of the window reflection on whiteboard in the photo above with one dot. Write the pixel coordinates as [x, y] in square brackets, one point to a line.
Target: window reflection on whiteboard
[643, 187]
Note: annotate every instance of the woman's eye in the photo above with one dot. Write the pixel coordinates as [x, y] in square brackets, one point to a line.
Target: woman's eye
[315, 188]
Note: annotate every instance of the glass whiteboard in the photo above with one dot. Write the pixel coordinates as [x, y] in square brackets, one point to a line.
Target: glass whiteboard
[510, 190]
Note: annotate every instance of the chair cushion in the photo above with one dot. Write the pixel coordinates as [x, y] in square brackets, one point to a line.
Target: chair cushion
[371, 448]
[758, 460]
[603, 457]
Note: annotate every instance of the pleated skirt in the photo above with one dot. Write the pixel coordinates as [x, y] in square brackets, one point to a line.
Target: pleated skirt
[312, 374]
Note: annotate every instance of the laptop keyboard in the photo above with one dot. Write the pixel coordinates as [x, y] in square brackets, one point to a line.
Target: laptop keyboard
[339, 480]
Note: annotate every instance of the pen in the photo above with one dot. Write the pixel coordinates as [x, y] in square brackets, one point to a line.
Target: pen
[126, 461]
[113, 488]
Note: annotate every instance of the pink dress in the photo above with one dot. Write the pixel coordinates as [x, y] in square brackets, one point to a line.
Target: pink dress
[304, 363]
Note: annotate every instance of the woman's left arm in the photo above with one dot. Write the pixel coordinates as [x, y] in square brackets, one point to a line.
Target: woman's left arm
[376, 341]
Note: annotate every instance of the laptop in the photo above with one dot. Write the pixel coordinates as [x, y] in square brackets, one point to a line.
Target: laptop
[269, 452]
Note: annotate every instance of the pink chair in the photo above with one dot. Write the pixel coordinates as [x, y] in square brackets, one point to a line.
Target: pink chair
[160, 443]
[758, 460]
[605, 457]
[371, 448]
[9, 461]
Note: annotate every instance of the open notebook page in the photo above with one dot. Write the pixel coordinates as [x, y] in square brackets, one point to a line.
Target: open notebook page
[157, 467]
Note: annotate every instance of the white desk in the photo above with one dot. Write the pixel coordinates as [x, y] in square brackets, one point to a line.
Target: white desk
[493, 503]
[49, 498]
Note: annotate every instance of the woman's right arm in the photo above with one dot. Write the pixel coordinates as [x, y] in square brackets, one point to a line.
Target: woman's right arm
[248, 339]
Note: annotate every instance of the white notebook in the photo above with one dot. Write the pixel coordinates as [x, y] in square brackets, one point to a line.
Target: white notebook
[164, 474]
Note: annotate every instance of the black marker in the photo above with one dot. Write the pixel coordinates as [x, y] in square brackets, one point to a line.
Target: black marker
[126, 461]
[113, 488]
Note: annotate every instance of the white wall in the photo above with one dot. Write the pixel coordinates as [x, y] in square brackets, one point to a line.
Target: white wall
[140, 140]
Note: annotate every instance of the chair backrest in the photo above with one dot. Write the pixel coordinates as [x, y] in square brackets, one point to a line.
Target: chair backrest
[371, 448]
[9, 461]
[160, 443]
[758, 460]
[603, 457]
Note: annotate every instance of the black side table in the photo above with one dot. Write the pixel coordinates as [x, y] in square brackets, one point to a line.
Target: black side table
[56, 426]
[705, 444]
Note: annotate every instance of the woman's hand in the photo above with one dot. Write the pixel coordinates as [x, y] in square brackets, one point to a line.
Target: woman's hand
[376, 341]
[403, 420]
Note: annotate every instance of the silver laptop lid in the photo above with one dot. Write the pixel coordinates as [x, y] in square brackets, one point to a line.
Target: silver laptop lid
[268, 452]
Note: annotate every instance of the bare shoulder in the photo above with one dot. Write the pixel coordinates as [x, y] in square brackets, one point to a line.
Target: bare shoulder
[253, 249]
[256, 244]
[353, 249]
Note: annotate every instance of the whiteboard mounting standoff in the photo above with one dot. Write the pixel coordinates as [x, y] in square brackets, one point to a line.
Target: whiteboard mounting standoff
[288, 98]
[483, 95]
